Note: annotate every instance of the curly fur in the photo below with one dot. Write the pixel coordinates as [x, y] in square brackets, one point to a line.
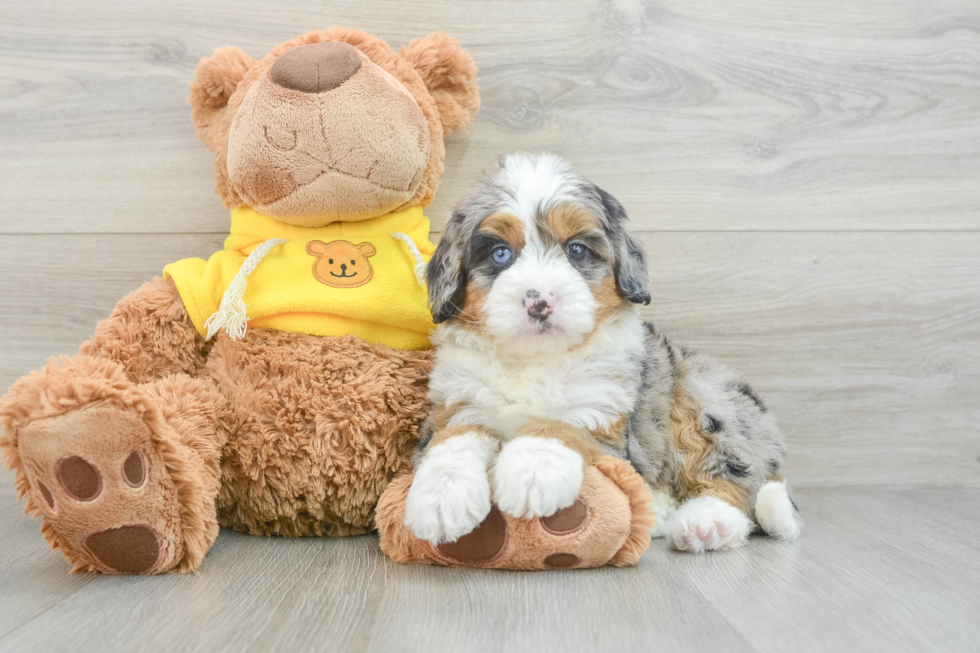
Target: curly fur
[534, 286]
[318, 427]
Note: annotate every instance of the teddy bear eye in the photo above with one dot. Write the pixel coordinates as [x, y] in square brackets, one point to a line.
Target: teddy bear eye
[501, 255]
[352, 261]
[331, 261]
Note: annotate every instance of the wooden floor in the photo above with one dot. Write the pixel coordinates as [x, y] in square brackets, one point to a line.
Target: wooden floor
[806, 178]
[878, 570]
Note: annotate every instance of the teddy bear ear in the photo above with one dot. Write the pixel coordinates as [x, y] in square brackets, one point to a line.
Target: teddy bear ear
[215, 79]
[367, 249]
[315, 247]
[450, 75]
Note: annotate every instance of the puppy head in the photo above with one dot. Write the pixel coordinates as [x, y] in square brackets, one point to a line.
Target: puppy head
[536, 258]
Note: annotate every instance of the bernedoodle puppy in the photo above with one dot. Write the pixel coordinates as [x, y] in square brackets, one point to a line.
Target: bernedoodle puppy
[543, 362]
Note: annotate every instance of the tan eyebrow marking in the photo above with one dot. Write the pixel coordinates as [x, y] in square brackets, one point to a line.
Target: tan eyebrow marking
[505, 226]
[568, 220]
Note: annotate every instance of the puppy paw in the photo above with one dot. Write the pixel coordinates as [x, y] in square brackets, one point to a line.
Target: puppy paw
[775, 512]
[536, 477]
[450, 494]
[707, 524]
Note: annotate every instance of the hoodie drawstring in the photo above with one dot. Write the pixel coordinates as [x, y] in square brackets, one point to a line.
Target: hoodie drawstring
[231, 314]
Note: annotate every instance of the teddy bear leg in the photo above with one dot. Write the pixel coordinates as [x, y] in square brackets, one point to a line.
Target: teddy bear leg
[124, 476]
[150, 334]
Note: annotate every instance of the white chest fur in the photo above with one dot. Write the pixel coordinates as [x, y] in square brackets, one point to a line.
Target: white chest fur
[591, 386]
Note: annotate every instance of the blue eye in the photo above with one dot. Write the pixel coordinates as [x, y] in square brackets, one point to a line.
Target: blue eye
[501, 255]
[577, 251]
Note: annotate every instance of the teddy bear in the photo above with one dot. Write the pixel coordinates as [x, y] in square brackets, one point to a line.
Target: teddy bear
[277, 387]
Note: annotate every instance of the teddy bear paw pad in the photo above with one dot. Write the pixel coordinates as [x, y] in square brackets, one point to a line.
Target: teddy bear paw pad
[127, 549]
[567, 520]
[482, 545]
[99, 482]
[561, 560]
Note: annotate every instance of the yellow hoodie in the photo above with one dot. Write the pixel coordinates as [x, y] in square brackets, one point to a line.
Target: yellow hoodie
[346, 278]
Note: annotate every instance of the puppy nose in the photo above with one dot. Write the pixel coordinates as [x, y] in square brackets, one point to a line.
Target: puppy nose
[539, 305]
[316, 68]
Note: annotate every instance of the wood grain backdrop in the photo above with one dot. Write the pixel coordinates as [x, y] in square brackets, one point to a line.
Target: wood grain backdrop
[806, 176]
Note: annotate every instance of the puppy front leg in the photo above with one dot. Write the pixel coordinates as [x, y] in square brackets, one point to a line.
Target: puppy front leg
[450, 494]
[540, 472]
[711, 517]
[707, 523]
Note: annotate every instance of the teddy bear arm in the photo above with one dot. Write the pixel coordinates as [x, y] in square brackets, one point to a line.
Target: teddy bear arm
[150, 334]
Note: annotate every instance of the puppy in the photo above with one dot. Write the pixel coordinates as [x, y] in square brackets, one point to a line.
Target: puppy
[543, 362]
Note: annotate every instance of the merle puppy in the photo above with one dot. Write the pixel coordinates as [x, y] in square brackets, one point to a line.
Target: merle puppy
[543, 363]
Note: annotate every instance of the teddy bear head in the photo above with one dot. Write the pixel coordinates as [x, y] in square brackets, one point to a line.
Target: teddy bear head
[341, 264]
[334, 125]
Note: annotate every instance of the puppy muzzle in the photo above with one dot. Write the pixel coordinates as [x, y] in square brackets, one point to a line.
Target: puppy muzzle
[539, 305]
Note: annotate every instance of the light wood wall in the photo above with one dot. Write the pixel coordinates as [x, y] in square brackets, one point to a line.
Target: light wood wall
[805, 175]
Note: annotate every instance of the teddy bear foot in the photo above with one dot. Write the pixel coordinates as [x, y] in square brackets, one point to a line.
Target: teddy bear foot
[548, 544]
[100, 483]
[609, 523]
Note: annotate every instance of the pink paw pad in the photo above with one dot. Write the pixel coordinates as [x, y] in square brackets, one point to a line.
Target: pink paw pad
[705, 532]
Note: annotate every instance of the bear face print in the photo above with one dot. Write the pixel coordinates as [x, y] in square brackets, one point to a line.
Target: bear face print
[341, 264]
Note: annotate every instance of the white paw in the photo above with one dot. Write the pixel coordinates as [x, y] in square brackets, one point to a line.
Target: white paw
[775, 513]
[536, 477]
[707, 524]
[450, 494]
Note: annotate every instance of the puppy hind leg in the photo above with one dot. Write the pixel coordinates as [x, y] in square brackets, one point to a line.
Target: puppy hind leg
[663, 506]
[775, 512]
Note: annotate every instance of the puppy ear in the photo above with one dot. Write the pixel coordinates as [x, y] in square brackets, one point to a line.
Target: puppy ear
[215, 79]
[445, 274]
[450, 75]
[367, 249]
[630, 266]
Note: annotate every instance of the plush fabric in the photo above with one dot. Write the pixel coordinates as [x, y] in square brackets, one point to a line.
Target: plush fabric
[317, 429]
[86, 407]
[445, 83]
[298, 288]
[135, 449]
[609, 524]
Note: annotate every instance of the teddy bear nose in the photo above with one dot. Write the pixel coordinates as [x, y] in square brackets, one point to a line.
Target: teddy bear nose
[316, 68]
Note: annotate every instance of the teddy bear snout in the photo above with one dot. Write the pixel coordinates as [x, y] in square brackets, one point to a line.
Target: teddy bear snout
[316, 68]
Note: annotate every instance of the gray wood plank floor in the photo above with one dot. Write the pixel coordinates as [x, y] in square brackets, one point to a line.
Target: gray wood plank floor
[806, 178]
[879, 569]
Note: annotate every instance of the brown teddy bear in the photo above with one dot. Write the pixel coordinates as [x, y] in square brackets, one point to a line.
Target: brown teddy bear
[174, 418]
